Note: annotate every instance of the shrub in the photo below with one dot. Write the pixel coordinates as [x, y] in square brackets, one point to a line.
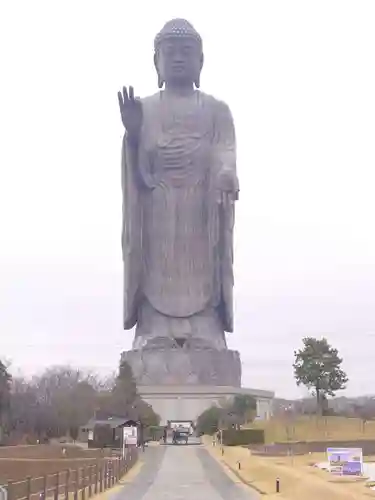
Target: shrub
[234, 437]
[208, 421]
[154, 432]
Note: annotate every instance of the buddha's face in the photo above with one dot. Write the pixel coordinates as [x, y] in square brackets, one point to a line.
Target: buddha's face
[179, 60]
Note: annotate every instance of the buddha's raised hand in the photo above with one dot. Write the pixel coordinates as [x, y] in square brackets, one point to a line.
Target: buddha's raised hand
[131, 113]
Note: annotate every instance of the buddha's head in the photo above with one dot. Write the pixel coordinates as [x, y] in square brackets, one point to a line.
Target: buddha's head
[178, 54]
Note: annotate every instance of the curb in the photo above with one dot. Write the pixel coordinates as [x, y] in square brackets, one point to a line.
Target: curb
[249, 484]
[243, 480]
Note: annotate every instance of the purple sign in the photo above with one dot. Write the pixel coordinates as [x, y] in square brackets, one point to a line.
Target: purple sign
[352, 469]
[345, 461]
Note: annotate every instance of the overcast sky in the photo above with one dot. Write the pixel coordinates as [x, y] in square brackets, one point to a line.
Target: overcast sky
[299, 77]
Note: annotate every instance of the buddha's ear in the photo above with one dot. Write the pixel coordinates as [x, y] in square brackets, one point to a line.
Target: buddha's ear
[156, 60]
[197, 79]
[160, 79]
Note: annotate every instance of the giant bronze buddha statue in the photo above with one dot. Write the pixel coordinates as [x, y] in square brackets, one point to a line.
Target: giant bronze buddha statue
[179, 186]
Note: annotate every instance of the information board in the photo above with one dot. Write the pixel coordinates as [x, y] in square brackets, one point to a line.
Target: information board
[130, 436]
[345, 461]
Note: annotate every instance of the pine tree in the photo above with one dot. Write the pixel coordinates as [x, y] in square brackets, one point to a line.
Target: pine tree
[318, 367]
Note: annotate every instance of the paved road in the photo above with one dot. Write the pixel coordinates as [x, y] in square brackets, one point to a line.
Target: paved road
[182, 473]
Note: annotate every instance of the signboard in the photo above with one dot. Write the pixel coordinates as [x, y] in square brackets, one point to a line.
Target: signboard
[345, 461]
[180, 423]
[174, 424]
[130, 436]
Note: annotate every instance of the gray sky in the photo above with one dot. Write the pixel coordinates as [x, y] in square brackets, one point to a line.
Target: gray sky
[299, 77]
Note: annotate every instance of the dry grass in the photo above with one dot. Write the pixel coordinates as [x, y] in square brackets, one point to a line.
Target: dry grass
[298, 479]
[115, 490]
[74, 469]
[18, 462]
[50, 451]
[315, 429]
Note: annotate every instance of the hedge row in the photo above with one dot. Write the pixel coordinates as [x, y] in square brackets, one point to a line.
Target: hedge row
[234, 437]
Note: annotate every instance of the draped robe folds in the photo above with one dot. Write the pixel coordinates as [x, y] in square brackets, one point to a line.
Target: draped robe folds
[177, 233]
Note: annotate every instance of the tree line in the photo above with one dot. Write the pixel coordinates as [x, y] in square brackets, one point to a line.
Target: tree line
[230, 414]
[63, 398]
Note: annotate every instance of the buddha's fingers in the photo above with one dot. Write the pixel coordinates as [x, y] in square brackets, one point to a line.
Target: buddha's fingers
[120, 100]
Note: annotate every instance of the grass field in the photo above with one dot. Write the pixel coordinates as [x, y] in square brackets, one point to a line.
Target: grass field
[315, 429]
[36, 461]
[76, 468]
[298, 479]
[53, 451]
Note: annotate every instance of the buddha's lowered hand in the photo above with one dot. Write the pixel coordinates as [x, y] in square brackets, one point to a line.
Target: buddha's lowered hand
[227, 181]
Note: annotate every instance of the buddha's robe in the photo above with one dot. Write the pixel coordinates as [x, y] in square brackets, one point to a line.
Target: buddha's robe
[177, 226]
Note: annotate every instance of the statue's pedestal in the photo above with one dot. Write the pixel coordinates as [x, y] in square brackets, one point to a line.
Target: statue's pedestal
[181, 382]
[185, 366]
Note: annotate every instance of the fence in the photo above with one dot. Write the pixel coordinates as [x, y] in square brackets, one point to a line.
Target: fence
[76, 484]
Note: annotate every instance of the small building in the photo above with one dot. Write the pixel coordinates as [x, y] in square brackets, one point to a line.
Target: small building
[106, 431]
[187, 402]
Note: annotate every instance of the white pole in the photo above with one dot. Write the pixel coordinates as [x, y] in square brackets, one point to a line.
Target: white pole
[123, 442]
